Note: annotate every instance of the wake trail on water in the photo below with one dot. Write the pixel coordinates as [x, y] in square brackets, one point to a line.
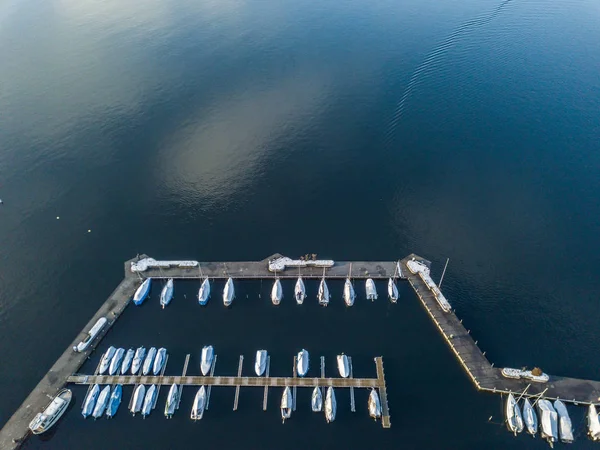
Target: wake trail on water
[432, 60]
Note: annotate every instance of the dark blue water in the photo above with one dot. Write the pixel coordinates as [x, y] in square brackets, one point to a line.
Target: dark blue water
[229, 130]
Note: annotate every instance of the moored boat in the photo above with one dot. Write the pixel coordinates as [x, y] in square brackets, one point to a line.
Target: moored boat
[171, 403]
[343, 365]
[530, 418]
[127, 360]
[392, 291]
[302, 362]
[276, 292]
[206, 360]
[46, 419]
[199, 404]
[514, 420]
[370, 289]
[565, 427]
[166, 294]
[138, 399]
[260, 363]
[300, 291]
[149, 400]
[138, 360]
[286, 404]
[149, 361]
[114, 401]
[90, 401]
[349, 294]
[101, 402]
[548, 421]
[204, 292]
[316, 401]
[142, 292]
[374, 404]
[330, 405]
[94, 331]
[593, 423]
[159, 361]
[228, 292]
[106, 360]
[323, 294]
[117, 359]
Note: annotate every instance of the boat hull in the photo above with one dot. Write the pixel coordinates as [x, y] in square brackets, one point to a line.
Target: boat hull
[316, 401]
[138, 399]
[343, 365]
[171, 401]
[330, 405]
[286, 404]
[374, 405]
[142, 292]
[228, 293]
[371, 290]
[199, 404]
[149, 400]
[276, 292]
[127, 360]
[45, 420]
[204, 292]
[117, 359]
[206, 359]
[323, 294]
[90, 401]
[349, 294]
[115, 401]
[167, 293]
[149, 361]
[299, 291]
[106, 360]
[302, 362]
[159, 362]
[260, 363]
[138, 360]
[392, 291]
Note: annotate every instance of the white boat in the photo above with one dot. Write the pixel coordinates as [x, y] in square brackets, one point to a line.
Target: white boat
[228, 292]
[330, 405]
[374, 404]
[159, 361]
[302, 362]
[142, 292]
[316, 401]
[349, 294]
[127, 360]
[392, 291]
[101, 402]
[117, 359]
[323, 294]
[138, 399]
[370, 289]
[138, 360]
[204, 292]
[260, 363]
[149, 400]
[299, 291]
[276, 292]
[166, 294]
[548, 421]
[530, 418]
[171, 401]
[149, 361]
[508, 372]
[514, 420]
[208, 354]
[44, 420]
[286, 404]
[343, 366]
[114, 401]
[199, 404]
[94, 331]
[593, 424]
[565, 427]
[527, 374]
[106, 360]
[90, 401]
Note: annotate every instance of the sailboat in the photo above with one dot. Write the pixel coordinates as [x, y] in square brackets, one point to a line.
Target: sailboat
[374, 405]
[343, 366]
[115, 401]
[260, 364]
[101, 402]
[548, 421]
[593, 423]
[90, 401]
[204, 292]
[149, 361]
[206, 359]
[149, 400]
[323, 294]
[171, 401]
[138, 399]
[299, 290]
[199, 404]
[127, 360]
[159, 361]
[276, 292]
[138, 360]
[286, 404]
[514, 420]
[115, 363]
[302, 362]
[371, 289]
[316, 401]
[530, 418]
[106, 360]
[228, 292]
[166, 294]
[565, 427]
[392, 291]
[330, 405]
[142, 292]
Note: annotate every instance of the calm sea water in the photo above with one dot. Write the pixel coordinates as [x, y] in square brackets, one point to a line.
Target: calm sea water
[230, 130]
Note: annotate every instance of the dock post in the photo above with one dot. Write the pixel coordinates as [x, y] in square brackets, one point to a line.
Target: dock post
[212, 372]
[266, 394]
[352, 404]
[237, 387]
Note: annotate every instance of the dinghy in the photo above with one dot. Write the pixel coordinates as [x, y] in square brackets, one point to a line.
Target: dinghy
[565, 427]
[370, 289]
[299, 291]
[138, 399]
[204, 292]
[114, 402]
[514, 420]
[149, 400]
[149, 361]
[117, 359]
[106, 360]
[167, 293]
[101, 402]
[530, 418]
[208, 354]
[171, 401]
[323, 294]
[90, 401]
[142, 292]
[302, 362]
[286, 404]
[127, 360]
[46, 419]
[374, 405]
[159, 361]
[392, 291]
[228, 293]
[593, 424]
[276, 292]
[316, 401]
[349, 294]
[548, 421]
[260, 364]
[199, 404]
[138, 360]
[330, 405]
[343, 366]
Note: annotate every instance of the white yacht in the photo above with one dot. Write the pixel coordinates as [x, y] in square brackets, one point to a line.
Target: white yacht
[149, 400]
[117, 359]
[138, 399]
[343, 366]
[276, 292]
[286, 404]
[260, 364]
[349, 294]
[593, 423]
[142, 292]
[106, 360]
[530, 418]
[114, 402]
[149, 361]
[206, 361]
[199, 404]
[228, 292]
[90, 401]
[302, 362]
[101, 402]
[548, 421]
[94, 331]
[167, 293]
[565, 427]
[330, 405]
[323, 294]
[392, 291]
[299, 291]
[138, 360]
[127, 360]
[171, 401]
[159, 361]
[43, 421]
[514, 420]
[374, 404]
[316, 401]
[204, 292]
[371, 289]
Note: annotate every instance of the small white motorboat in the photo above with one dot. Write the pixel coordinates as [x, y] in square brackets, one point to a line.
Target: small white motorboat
[316, 401]
[565, 427]
[94, 331]
[392, 291]
[299, 291]
[199, 404]
[260, 364]
[349, 294]
[117, 359]
[323, 294]
[138, 360]
[514, 420]
[138, 399]
[302, 362]
[127, 360]
[149, 400]
[106, 360]
[90, 401]
[142, 292]
[44, 420]
[204, 292]
[206, 360]
[593, 423]
[343, 365]
[330, 405]
[159, 361]
[374, 404]
[171, 401]
[371, 289]
[548, 421]
[286, 404]
[114, 402]
[228, 292]
[166, 294]
[276, 292]
[530, 418]
[101, 402]
[149, 361]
